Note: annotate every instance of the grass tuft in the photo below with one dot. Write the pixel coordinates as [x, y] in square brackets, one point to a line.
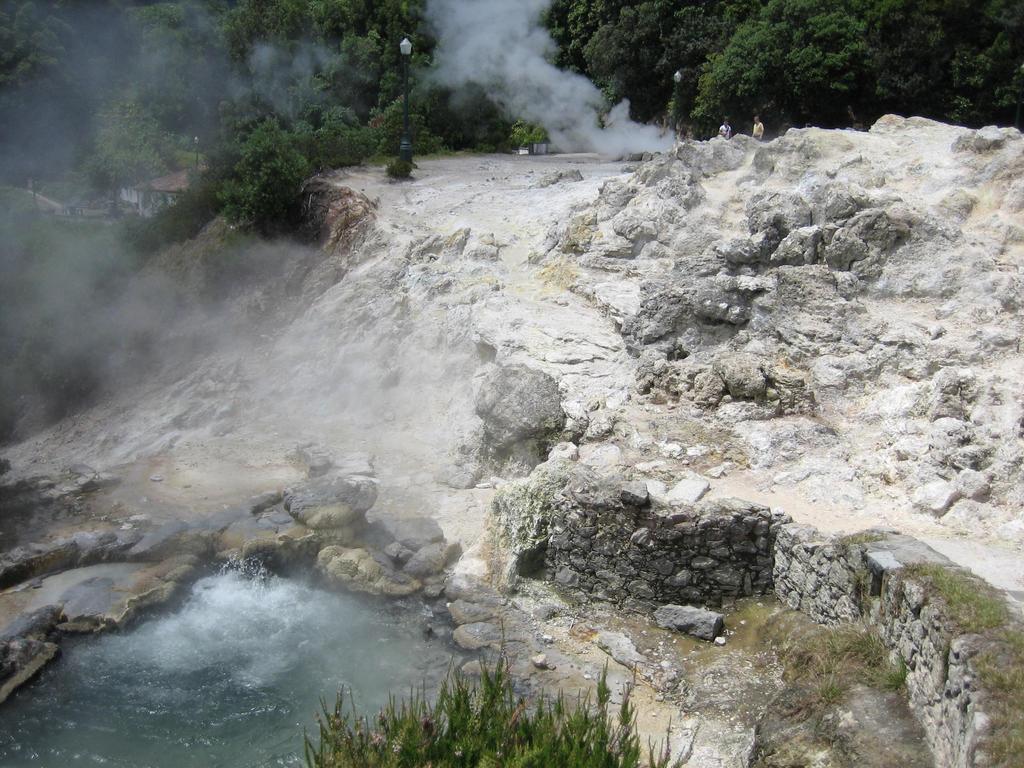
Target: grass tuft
[485, 724]
[863, 537]
[971, 604]
[831, 661]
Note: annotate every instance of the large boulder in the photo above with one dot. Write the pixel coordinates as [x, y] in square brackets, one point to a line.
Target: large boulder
[431, 559]
[700, 623]
[742, 374]
[360, 570]
[518, 403]
[331, 502]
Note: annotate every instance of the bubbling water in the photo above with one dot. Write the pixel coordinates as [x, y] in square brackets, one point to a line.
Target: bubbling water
[230, 680]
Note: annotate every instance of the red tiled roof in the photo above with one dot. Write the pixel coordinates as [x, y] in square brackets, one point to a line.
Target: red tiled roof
[171, 183]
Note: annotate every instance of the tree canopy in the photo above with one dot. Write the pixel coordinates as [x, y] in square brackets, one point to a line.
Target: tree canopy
[118, 90]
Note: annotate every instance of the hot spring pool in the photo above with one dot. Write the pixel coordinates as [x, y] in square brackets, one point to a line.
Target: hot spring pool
[229, 680]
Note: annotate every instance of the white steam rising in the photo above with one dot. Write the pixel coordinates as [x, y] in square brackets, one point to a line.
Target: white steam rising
[502, 46]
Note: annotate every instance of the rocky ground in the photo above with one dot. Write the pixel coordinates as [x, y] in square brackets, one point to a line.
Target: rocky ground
[826, 324]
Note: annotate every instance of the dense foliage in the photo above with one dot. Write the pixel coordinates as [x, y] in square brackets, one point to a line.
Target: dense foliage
[470, 726]
[121, 90]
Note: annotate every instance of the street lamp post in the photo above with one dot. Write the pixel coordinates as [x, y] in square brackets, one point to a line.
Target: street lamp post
[1020, 97]
[405, 148]
[195, 143]
[678, 78]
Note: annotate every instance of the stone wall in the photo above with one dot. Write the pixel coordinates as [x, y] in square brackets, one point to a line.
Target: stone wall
[818, 575]
[940, 675]
[608, 540]
[836, 580]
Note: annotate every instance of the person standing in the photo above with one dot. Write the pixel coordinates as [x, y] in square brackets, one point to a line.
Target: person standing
[758, 132]
[725, 130]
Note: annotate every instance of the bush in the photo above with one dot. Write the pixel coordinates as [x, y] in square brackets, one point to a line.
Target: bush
[523, 134]
[399, 168]
[263, 190]
[339, 140]
[389, 126]
[486, 725]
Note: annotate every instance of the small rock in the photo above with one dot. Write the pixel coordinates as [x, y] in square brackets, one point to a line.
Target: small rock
[264, 501]
[156, 478]
[935, 497]
[716, 472]
[568, 451]
[545, 611]
[433, 589]
[414, 532]
[688, 491]
[481, 634]
[620, 648]
[634, 493]
[973, 485]
[430, 560]
[540, 661]
[601, 456]
[719, 640]
[671, 450]
[465, 612]
[398, 553]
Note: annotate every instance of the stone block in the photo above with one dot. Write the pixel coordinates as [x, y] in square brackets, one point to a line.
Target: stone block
[697, 622]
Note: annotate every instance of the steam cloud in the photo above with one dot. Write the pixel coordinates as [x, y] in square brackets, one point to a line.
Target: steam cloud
[501, 46]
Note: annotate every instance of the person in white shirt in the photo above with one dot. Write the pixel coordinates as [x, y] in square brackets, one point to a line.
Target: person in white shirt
[725, 130]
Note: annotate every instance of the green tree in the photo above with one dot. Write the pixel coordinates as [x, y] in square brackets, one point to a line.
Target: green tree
[275, 21]
[947, 59]
[181, 66]
[31, 42]
[130, 146]
[630, 60]
[263, 191]
[796, 60]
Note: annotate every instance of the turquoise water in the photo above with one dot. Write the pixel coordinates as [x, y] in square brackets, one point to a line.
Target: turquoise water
[229, 680]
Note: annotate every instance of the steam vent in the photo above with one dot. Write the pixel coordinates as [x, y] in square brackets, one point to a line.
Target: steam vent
[468, 397]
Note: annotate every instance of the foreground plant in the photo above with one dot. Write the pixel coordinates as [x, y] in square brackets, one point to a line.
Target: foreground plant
[483, 725]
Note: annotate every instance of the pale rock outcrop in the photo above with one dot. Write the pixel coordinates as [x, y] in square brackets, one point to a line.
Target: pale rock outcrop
[520, 407]
[332, 502]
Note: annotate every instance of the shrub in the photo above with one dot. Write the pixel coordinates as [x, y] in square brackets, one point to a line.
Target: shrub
[389, 125]
[263, 191]
[339, 141]
[399, 168]
[486, 725]
[524, 134]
